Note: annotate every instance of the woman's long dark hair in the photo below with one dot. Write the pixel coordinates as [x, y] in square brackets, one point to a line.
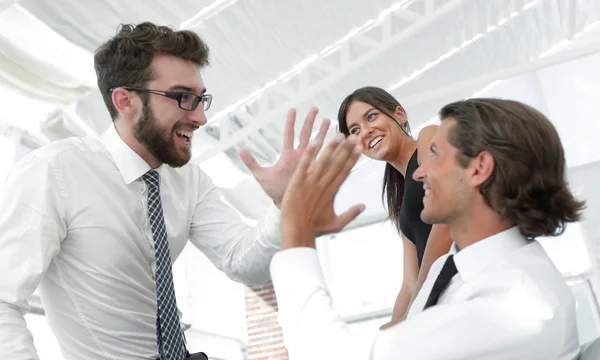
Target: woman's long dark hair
[393, 181]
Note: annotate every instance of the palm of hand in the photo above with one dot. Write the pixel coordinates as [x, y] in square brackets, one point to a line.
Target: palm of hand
[275, 179]
[326, 222]
[317, 208]
[308, 205]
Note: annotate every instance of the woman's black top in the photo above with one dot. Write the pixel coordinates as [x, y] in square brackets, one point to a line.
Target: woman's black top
[410, 211]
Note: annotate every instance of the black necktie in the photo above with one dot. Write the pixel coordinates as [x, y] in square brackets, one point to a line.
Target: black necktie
[442, 281]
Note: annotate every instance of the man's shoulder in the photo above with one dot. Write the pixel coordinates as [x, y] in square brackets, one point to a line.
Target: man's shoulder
[528, 264]
[73, 147]
[57, 157]
[537, 272]
[534, 260]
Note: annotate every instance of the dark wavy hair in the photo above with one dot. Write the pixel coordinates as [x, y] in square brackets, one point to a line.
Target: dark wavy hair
[125, 59]
[528, 186]
[393, 181]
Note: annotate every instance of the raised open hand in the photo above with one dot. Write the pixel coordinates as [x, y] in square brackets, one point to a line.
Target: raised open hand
[307, 209]
[274, 180]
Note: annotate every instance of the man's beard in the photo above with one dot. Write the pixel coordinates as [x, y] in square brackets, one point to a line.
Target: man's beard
[159, 141]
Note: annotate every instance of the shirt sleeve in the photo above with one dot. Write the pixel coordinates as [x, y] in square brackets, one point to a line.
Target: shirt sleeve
[32, 226]
[504, 324]
[240, 250]
[312, 328]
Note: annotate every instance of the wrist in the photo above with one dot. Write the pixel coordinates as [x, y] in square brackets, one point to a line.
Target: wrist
[293, 236]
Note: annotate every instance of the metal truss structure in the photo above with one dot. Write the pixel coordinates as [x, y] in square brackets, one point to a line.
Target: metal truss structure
[492, 55]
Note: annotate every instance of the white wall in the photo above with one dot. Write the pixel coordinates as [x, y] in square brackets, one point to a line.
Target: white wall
[584, 179]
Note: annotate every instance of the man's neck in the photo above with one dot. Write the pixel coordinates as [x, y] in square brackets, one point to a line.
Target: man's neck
[472, 229]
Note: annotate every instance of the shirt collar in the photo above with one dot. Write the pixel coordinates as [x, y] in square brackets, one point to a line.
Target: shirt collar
[130, 164]
[474, 258]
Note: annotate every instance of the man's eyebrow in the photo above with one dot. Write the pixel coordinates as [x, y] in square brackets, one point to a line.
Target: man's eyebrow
[186, 88]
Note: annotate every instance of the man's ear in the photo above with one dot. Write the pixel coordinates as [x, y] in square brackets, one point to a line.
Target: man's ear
[480, 168]
[124, 101]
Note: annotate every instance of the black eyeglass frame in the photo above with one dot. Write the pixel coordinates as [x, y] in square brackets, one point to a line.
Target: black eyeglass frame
[205, 99]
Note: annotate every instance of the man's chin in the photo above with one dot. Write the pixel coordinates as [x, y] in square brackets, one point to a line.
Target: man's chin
[179, 162]
[176, 160]
[428, 218]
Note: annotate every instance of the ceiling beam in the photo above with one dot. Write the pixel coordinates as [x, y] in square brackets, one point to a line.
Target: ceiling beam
[502, 74]
[265, 114]
[332, 67]
[206, 13]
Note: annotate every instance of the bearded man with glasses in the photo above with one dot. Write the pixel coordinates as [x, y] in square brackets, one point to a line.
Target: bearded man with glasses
[96, 223]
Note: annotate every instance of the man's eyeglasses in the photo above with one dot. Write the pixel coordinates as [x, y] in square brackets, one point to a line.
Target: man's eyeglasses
[186, 100]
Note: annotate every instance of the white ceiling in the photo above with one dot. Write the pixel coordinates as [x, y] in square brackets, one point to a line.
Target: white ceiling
[269, 55]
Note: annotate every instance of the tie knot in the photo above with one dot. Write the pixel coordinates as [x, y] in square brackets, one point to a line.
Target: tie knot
[152, 179]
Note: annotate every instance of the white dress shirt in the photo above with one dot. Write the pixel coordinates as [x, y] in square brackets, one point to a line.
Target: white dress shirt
[508, 301]
[73, 220]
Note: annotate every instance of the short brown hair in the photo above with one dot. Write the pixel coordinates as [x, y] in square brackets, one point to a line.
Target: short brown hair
[393, 180]
[125, 59]
[528, 186]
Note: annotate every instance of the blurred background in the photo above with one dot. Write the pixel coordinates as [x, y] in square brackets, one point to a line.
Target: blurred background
[270, 55]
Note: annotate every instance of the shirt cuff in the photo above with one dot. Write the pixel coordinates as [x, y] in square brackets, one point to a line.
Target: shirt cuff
[296, 274]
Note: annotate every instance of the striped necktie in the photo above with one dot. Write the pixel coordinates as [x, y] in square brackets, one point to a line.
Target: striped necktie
[170, 340]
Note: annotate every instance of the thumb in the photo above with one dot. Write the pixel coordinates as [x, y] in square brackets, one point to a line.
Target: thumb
[349, 215]
[249, 161]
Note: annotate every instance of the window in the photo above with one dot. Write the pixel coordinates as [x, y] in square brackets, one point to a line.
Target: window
[363, 268]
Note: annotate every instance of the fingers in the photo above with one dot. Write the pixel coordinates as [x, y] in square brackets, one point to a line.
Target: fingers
[322, 133]
[307, 127]
[249, 161]
[288, 132]
[307, 160]
[320, 138]
[343, 173]
[341, 159]
[320, 167]
[344, 219]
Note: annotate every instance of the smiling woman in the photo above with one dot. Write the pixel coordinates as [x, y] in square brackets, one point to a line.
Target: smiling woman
[381, 126]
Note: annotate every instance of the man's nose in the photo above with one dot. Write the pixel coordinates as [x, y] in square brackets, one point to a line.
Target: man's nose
[420, 173]
[198, 116]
